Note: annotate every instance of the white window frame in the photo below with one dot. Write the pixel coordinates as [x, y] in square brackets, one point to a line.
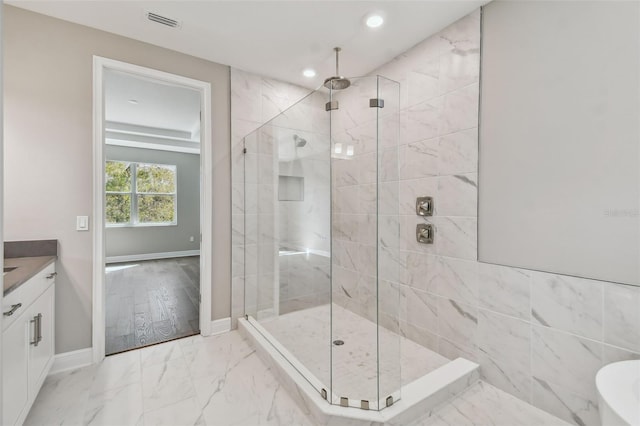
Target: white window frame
[133, 205]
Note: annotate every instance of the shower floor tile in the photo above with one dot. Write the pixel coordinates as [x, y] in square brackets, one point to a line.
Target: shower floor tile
[307, 335]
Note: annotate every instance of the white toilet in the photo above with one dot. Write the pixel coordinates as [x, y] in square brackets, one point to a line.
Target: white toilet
[619, 393]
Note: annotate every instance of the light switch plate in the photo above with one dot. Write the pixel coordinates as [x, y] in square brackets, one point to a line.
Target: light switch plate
[82, 223]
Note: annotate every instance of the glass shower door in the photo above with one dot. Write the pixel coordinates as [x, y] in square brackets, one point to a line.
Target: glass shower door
[287, 228]
[365, 324]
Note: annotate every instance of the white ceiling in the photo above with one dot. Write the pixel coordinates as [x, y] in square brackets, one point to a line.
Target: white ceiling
[159, 105]
[273, 38]
[147, 113]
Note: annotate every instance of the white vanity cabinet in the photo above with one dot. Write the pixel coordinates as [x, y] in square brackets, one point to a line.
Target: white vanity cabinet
[27, 343]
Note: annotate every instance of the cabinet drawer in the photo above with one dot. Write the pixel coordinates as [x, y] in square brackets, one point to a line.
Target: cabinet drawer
[26, 294]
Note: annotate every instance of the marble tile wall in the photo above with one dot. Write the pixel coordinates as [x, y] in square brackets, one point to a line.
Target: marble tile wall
[262, 280]
[540, 337]
[366, 192]
[254, 101]
[305, 280]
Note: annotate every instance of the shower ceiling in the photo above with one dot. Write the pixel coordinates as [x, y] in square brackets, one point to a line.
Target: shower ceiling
[277, 39]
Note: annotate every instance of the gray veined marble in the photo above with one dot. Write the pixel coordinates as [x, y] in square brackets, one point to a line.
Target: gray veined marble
[460, 110]
[622, 316]
[457, 322]
[458, 280]
[226, 383]
[419, 159]
[458, 195]
[457, 237]
[485, 405]
[505, 290]
[458, 152]
[504, 352]
[567, 303]
[567, 360]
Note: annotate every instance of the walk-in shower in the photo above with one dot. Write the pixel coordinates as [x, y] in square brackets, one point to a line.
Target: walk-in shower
[323, 260]
[322, 272]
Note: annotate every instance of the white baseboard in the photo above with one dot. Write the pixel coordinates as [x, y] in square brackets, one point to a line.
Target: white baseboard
[152, 256]
[71, 360]
[220, 326]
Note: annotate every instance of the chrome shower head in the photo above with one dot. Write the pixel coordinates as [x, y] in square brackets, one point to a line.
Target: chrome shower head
[337, 82]
[300, 142]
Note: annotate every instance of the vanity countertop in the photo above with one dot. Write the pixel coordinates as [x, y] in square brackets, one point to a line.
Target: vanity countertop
[25, 268]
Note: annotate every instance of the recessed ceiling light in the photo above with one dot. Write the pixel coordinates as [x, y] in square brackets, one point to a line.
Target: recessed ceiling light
[133, 101]
[374, 21]
[309, 73]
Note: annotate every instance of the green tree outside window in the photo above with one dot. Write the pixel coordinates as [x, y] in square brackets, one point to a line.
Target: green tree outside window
[140, 193]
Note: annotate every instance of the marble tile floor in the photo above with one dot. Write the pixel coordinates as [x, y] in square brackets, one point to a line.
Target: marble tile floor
[307, 333]
[218, 381]
[151, 301]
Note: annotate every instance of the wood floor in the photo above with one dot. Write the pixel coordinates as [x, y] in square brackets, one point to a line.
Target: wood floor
[151, 301]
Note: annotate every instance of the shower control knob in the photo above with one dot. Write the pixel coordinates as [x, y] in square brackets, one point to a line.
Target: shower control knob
[424, 233]
[424, 206]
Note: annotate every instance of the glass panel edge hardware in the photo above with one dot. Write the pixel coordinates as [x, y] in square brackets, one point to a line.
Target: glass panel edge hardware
[424, 206]
[344, 401]
[331, 105]
[364, 404]
[389, 401]
[323, 393]
[376, 103]
[424, 233]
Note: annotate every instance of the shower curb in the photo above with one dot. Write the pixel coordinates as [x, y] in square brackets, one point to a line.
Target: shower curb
[418, 397]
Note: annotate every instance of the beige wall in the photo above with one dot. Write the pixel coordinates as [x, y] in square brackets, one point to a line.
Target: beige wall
[48, 151]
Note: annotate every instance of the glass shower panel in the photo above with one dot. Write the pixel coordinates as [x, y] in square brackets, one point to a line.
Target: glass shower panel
[388, 242]
[290, 217]
[354, 212]
[322, 240]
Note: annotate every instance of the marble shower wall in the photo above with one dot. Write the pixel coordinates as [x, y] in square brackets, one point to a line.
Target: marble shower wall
[365, 217]
[272, 117]
[254, 101]
[538, 336]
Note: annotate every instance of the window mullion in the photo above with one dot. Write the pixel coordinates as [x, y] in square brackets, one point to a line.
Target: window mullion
[134, 193]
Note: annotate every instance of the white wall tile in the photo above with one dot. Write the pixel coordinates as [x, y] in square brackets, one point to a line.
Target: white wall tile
[457, 237]
[505, 290]
[504, 352]
[458, 280]
[565, 404]
[419, 159]
[458, 152]
[422, 309]
[460, 110]
[421, 271]
[565, 359]
[622, 316]
[457, 322]
[458, 195]
[567, 303]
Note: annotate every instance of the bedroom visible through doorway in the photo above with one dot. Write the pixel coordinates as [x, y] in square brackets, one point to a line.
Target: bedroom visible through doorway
[152, 211]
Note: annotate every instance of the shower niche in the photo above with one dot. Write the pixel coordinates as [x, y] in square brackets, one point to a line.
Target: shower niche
[323, 260]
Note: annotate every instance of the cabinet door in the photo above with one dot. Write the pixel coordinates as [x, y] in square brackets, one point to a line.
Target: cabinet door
[40, 355]
[15, 354]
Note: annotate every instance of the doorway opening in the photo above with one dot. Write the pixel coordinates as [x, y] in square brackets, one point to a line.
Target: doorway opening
[151, 279]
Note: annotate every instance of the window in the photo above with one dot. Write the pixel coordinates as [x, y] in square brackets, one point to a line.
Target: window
[139, 194]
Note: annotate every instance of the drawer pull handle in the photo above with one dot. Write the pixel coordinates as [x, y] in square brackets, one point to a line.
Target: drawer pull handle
[51, 275]
[37, 329]
[13, 309]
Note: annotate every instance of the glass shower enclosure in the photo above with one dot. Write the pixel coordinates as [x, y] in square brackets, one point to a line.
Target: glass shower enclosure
[322, 240]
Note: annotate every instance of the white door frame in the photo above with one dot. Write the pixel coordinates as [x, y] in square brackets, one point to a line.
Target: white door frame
[206, 207]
